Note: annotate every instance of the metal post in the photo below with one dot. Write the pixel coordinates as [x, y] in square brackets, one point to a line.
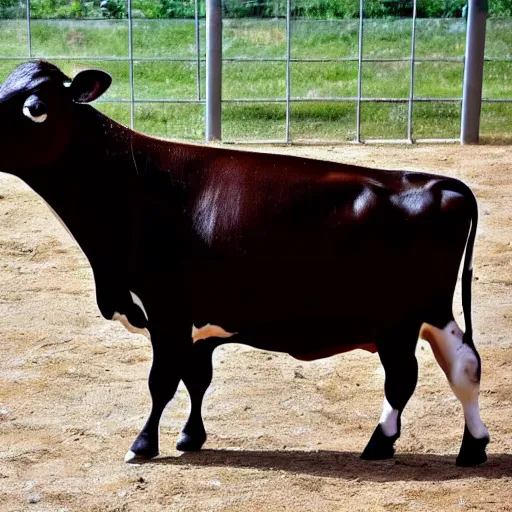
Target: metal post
[473, 71]
[359, 72]
[29, 31]
[213, 70]
[130, 69]
[198, 50]
[411, 82]
[288, 55]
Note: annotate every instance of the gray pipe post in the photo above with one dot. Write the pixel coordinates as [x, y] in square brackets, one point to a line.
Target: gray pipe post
[473, 71]
[213, 69]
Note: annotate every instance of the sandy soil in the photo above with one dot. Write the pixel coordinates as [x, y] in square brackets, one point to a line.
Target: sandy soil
[283, 435]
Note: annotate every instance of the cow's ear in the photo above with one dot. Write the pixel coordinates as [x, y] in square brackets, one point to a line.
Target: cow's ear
[89, 85]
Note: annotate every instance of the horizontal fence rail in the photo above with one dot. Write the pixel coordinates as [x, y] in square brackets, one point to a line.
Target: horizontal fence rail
[288, 99]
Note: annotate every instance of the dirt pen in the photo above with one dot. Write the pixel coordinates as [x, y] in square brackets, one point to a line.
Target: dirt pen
[283, 435]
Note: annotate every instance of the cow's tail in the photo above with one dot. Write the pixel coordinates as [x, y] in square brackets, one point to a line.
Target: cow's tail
[467, 268]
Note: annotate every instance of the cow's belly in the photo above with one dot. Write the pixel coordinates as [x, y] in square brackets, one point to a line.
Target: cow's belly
[305, 339]
[307, 345]
[238, 298]
[334, 350]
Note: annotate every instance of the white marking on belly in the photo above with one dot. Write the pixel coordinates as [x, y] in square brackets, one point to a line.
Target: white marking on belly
[460, 364]
[209, 331]
[389, 419]
[124, 320]
[138, 302]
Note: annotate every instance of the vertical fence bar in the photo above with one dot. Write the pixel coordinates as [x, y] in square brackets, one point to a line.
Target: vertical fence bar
[473, 71]
[29, 31]
[288, 55]
[130, 71]
[198, 49]
[411, 82]
[213, 70]
[359, 71]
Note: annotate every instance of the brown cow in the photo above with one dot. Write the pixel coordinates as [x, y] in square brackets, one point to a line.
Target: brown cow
[288, 254]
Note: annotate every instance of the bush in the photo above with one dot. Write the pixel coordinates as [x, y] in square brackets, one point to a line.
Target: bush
[500, 8]
[166, 8]
[440, 8]
[325, 9]
[63, 8]
[113, 9]
[12, 8]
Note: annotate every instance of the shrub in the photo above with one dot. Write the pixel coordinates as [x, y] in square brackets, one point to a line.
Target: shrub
[166, 8]
[325, 9]
[113, 9]
[12, 9]
[63, 8]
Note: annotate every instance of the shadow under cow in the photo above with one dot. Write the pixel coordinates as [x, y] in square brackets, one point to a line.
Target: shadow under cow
[347, 465]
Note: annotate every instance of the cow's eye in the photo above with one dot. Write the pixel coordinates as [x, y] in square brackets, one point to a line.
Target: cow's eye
[35, 110]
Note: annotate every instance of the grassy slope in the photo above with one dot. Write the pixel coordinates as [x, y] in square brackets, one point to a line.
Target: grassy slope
[266, 38]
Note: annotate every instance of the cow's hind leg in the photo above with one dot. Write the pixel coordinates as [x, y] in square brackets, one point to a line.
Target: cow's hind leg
[396, 353]
[163, 381]
[197, 377]
[461, 364]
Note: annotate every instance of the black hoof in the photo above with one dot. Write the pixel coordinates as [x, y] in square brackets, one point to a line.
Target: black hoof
[472, 451]
[138, 458]
[190, 443]
[379, 446]
[141, 450]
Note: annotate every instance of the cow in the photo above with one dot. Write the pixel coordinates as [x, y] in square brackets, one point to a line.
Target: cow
[202, 245]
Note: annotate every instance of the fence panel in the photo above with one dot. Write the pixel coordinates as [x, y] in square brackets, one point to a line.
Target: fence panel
[286, 77]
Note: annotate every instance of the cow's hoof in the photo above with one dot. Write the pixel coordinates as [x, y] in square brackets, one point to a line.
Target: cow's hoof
[190, 443]
[143, 449]
[379, 446]
[138, 458]
[472, 451]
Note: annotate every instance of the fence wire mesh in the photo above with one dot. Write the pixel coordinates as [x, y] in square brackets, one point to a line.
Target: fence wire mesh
[284, 79]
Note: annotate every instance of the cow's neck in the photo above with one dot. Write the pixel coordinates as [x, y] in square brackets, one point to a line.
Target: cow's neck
[100, 184]
[93, 188]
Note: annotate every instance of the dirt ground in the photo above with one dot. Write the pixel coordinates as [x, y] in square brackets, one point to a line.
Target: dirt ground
[283, 434]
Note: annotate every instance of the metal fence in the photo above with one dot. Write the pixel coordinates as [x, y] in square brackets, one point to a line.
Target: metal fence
[212, 101]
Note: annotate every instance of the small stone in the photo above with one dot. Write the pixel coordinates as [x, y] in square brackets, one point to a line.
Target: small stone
[214, 483]
[34, 497]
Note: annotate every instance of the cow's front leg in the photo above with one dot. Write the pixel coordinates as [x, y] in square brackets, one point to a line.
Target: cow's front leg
[401, 369]
[197, 376]
[163, 381]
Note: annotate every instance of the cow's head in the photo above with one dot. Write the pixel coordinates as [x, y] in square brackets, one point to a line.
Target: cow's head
[39, 108]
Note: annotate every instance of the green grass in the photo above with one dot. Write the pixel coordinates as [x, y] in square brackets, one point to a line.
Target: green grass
[383, 38]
